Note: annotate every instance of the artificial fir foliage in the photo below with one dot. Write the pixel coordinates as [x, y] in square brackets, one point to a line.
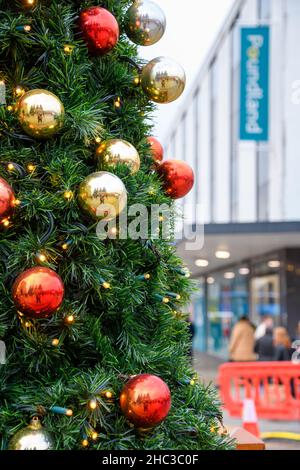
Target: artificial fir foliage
[115, 321]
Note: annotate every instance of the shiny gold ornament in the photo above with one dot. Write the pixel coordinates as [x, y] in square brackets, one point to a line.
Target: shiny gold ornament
[112, 152]
[145, 23]
[102, 195]
[40, 113]
[33, 437]
[163, 80]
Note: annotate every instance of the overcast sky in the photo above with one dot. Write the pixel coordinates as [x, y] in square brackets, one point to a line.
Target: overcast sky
[192, 26]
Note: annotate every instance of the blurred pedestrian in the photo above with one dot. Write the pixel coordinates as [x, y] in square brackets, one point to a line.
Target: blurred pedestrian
[282, 344]
[297, 337]
[264, 347]
[266, 322]
[241, 345]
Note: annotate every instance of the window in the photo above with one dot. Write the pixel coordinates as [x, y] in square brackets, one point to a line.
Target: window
[227, 301]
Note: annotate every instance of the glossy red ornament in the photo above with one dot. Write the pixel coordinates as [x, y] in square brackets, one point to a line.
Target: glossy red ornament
[178, 178]
[38, 292]
[7, 199]
[145, 401]
[100, 30]
[156, 149]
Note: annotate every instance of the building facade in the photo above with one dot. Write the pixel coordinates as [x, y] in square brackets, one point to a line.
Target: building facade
[247, 192]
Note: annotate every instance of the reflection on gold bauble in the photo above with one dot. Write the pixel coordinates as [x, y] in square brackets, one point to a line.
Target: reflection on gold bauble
[40, 113]
[145, 22]
[163, 80]
[33, 437]
[102, 195]
[112, 152]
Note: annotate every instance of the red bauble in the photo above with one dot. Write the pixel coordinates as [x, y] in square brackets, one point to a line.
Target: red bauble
[100, 30]
[178, 178]
[145, 401]
[156, 149]
[38, 292]
[7, 199]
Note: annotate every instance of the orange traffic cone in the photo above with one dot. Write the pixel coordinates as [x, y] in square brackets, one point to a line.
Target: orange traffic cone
[250, 421]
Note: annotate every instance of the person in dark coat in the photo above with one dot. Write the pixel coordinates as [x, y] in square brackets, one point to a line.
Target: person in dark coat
[282, 343]
[264, 347]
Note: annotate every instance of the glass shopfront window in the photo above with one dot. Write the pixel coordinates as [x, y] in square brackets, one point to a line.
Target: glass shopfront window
[254, 289]
[265, 290]
[227, 300]
[198, 317]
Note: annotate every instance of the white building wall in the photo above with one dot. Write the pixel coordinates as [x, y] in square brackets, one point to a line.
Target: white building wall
[276, 145]
[190, 158]
[284, 145]
[247, 168]
[222, 150]
[179, 155]
[204, 175]
[292, 113]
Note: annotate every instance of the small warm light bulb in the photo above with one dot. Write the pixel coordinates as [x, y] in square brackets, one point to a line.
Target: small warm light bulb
[165, 300]
[27, 28]
[68, 195]
[178, 297]
[94, 436]
[30, 2]
[6, 222]
[92, 404]
[118, 103]
[55, 342]
[28, 324]
[19, 90]
[68, 49]
[85, 443]
[70, 319]
[65, 246]
[98, 140]
[9, 107]
[10, 167]
[108, 394]
[147, 276]
[41, 257]
[31, 167]
[136, 80]
[106, 285]
[17, 202]
[69, 412]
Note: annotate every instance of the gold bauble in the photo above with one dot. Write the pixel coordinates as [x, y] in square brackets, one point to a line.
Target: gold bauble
[116, 151]
[145, 22]
[163, 80]
[33, 437]
[102, 195]
[40, 113]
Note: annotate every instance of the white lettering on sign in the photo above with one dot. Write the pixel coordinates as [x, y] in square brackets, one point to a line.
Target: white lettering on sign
[254, 92]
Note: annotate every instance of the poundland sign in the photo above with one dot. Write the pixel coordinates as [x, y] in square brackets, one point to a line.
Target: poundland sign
[254, 105]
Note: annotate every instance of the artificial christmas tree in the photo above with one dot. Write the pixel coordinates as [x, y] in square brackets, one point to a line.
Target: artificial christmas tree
[79, 315]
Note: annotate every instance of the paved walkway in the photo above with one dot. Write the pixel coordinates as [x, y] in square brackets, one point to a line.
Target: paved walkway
[207, 367]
